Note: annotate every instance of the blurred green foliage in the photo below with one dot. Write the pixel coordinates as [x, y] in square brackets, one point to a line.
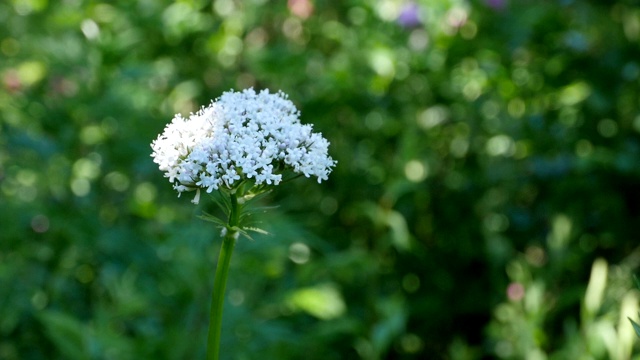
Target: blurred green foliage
[485, 204]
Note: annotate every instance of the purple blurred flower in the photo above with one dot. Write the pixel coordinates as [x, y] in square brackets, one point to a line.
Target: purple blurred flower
[410, 15]
[496, 4]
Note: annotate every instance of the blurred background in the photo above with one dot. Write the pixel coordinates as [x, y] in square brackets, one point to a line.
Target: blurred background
[485, 205]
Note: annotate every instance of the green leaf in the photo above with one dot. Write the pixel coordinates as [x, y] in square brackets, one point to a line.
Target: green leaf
[245, 234]
[244, 231]
[392, 322]
[221, 199]
[256, 230]
[636, 327]
[212, 218]
[68, 334]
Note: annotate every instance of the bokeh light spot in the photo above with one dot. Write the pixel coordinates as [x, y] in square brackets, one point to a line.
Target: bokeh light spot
[87, 168]
[416, 171]
[433, 116]
[117, 181]
[500, 145]
[459, 146]
[515, 292]
[588, 242]
[299, 253]
[39, 300]
[520, 76]
[31, 72]
[104, 13]
[333, 30]
[472, 90]
[373, 120]
[410, 283]
[516, 107]
[328, 205]
[108, 213]
[90, 29]
[382, 62]
[145, 192]
[411, 343]
[522, 149]
[10, 47]
[490, 109]
[388, 10]
[257, 38]
[40, 223]
[236, 297]
[357, 15]
[457, 17]
[496, 222]
[574, 93]
[607, 128]
[85, 274]
[535, 255]
[80, 187]
[224, 7]
[418, 40]
[92, 135]
[26, 177]
[584, 148]
[469, 30]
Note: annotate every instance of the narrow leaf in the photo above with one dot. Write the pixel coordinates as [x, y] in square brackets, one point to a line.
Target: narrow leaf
[636, 327]
[256, 230]
[70, 336]
[212, 218]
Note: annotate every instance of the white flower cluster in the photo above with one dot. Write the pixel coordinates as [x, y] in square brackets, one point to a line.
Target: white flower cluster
[241, 135]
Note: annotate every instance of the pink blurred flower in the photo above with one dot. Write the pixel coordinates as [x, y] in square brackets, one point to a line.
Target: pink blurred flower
[11, 81]
[301, 8]
[515, 291]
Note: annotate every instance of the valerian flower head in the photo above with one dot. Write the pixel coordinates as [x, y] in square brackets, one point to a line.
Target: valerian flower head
[240, 136]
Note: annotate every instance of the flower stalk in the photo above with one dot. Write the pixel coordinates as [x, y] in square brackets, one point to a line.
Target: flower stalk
[220, 281]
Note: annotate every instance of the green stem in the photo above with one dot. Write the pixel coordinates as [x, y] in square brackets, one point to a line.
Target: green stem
[220, 282]
[234, 214]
